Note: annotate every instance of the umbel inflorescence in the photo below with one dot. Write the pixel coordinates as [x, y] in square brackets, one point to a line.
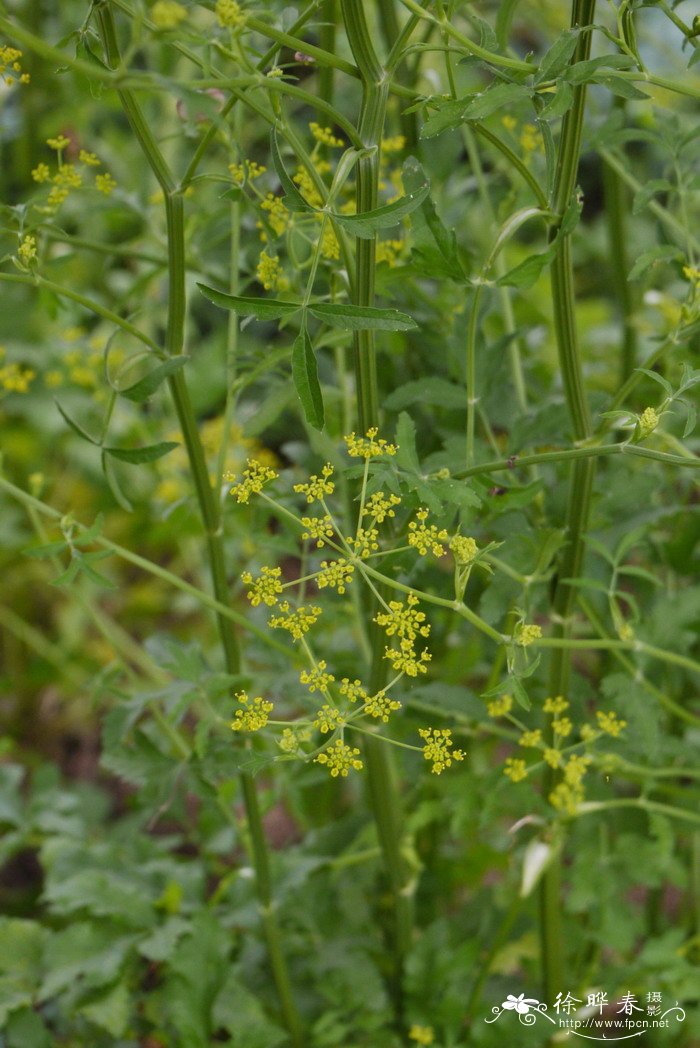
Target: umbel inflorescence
[338, 558]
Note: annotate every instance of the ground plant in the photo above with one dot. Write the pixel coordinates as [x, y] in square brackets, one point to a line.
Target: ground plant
[349, 486]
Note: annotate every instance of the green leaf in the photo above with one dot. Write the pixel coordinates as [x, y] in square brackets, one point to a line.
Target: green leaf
[500, 96]
[260, 308]
[448, 116]
[663, 382]
[89, 952]
[146, 386]
[361, 318]
[406, 455]
[433, 391]
[149, 453]
[527, 273]
[653, 257]
[429, 236]
[559, 103]
[111, 1011]
[20, 962]
[305, 375]
[558, 57]
[293, 200]
[582, 72]
[618, 85]
[75, 427]
[367, 224]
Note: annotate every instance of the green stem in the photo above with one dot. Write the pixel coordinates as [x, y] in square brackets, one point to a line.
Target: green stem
[209, 504]
[616, 209]
[572, 454]
[581, 483]
[383, 787]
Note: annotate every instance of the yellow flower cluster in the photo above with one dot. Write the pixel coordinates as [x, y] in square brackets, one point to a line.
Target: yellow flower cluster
[647, 422]
[340, 759]
[364, 542]
[353, 689]
[167, 14]
[568, 794]
[317, 486]
[335, 573]
[246, 171]
[318, 528]
[229, 13]
[297, 621]
[317, 679]
[270, 274]
[380, 706]
[610, 723]
[380, 506]
[330, 247]
[464, 549]
[277, 216]
[307, 186]
[328, 718]
[388, 251]
[499, 707]
[556, 705]
[67, 176]
[369, 446]
[264, 588]
[425, 537]
[253, 714]
[515, 768]
[26, 252]
[11, 67]
[692, 274]
[255, 476]
[422, 1035]
[325, 136]
[531, 739]
[562, 726]
[403, 620]
[438, 748]
[527, 633]
[16, 379]
[393, 145]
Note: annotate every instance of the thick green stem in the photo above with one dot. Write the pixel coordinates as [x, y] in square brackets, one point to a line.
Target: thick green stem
[383, 787]
[581, 483]
[209, 504]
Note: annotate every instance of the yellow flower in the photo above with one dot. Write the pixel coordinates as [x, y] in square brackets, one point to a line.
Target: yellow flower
[328, 718]
[53, 378]
[499, 707]
[340, 759]
[337, 574]
[515, 768]
[610, 723]
[364, 542]
[317, 679]
[575, 768]
[393, 145]
[270, 273]
[421, 1034]
[16, 379]
[557, 705]
[10, 67]
[264, 588]
[438, 749]
[403, 620]
[692, 274]
[253, 713]
[229, 13]
[405, 659]
[58, 143]
[566, 798]
[297, 622]
[368, 447]
[647, 422]
[167, 14]
[277, 216]
[41, 173]
[426, 537]
[67, 175]
[464, 549]
[380, 706]
[562, 726]
[318, 528]
[246, 171]
[531, 739]
[388, 251]
[527, 633]
[105, 184]
[325, 135]
[255, 476]
[88, 158]
[529, 138]
[56, 197]
[509, 122]
[353, 689]
[330, 247]
[317, 486]
[27, 251]
[308, 188]
[380, 506]
[553, 757]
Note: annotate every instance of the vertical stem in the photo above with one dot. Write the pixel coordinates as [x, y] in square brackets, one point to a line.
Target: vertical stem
[209, 505]
[581, 482]
[383, 787]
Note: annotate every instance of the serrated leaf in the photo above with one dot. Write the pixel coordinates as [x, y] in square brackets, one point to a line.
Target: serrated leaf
[293, 200]
[428, 233]
[366, 224]
[74, 426]
[260, 308]
[557, 58]
[111, 1011]
[449, 115]
[305, 376]
[148, 453]
[361, 318]
[147, 385]
[500, 96]
[527, 273]
[664, 383]
[584, 71]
